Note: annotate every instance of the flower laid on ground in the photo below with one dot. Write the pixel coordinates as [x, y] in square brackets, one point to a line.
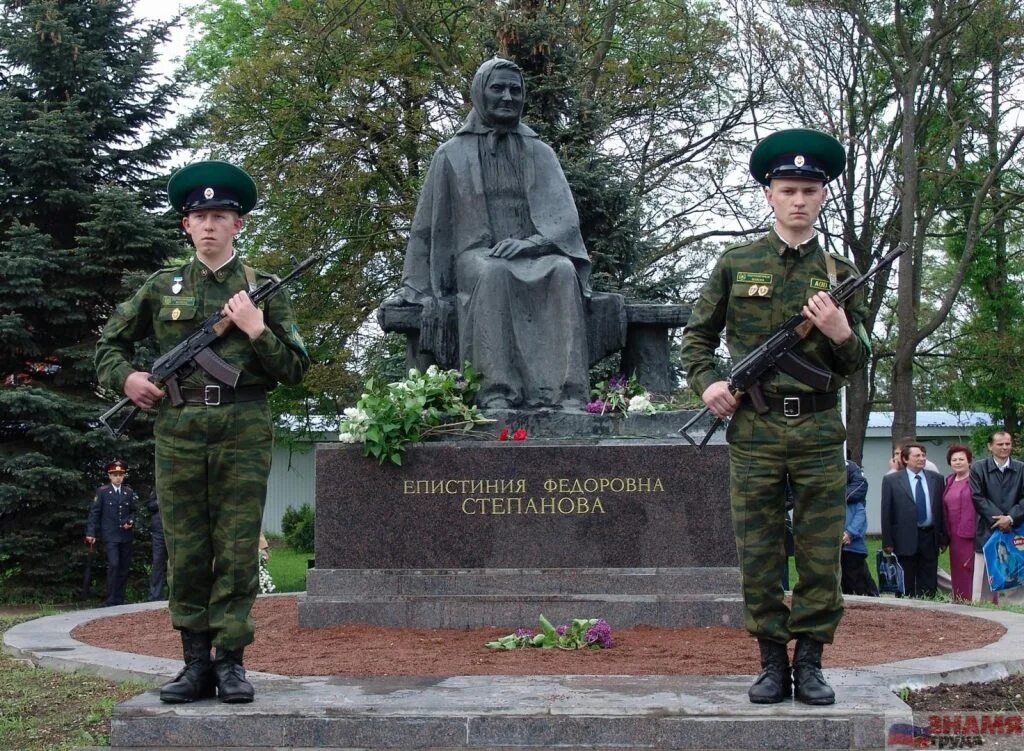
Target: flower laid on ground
[390, 416]
[623, 395]
[518, 435]
[582, 633]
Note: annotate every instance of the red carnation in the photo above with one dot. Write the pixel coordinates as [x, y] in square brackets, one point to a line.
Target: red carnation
[503, 435]
[519, 435]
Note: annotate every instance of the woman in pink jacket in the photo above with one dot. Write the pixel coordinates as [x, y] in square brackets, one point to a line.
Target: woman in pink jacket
[961, 521]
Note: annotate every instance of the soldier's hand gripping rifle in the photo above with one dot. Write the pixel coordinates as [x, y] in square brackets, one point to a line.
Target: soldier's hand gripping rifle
[194, 351]
[777, 353]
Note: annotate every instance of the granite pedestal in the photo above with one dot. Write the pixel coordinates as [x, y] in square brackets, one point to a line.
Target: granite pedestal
[489, 533]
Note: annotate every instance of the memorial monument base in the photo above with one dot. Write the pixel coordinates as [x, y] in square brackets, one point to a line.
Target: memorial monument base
[513, 598]
[486, 533]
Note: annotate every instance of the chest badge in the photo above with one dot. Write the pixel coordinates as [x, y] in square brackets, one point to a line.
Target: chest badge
[176, 314]
[176, 287]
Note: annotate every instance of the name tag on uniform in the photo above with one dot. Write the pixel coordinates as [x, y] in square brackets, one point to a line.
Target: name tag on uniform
[749, 277]
[820, 284]
[177, 301]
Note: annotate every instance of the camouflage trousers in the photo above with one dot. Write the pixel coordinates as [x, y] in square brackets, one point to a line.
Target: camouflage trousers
[212, 465]
[763, 451]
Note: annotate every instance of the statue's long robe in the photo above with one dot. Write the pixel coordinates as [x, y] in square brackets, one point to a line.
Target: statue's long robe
[521, 320]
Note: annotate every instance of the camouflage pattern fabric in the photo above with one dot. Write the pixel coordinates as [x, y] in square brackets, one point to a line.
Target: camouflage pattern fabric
[211, 462]
[753, 289]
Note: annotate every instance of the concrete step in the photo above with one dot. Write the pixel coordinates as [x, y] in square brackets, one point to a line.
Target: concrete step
[515, 611]
[505, 712]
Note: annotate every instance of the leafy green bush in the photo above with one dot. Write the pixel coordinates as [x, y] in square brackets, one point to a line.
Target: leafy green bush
[297, 524]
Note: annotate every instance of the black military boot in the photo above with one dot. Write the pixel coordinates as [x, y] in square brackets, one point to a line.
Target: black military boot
[809, 684]
[774, 684]
[232, 687]
[195, 681]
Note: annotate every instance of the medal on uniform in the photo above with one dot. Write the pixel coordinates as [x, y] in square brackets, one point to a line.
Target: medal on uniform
[176, 314]
[762, 290]
[752, 292]
[176, 287]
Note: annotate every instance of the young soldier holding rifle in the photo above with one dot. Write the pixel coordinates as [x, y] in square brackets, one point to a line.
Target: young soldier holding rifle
[213, 435]
[784, 426]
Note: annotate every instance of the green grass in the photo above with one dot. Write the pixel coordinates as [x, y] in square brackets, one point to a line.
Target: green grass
[45, 710]
[874, 545]
[288, 569]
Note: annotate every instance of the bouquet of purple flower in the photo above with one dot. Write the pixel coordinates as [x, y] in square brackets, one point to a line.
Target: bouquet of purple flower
[582, 633]
[623, 395]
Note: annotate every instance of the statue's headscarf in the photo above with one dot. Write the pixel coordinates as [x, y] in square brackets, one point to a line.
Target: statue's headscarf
[477, 121]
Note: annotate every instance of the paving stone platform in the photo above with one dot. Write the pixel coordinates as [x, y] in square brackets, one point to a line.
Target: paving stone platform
[506, 712]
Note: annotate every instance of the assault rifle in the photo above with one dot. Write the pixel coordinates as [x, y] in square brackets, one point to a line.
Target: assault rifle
[194, 351]
[777, 353]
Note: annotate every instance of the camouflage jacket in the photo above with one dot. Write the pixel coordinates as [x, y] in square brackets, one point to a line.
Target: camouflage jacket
[174, 301]
[753, 289]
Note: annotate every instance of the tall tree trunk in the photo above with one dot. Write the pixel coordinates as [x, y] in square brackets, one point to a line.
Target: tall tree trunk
[904, 401]
[858, 406]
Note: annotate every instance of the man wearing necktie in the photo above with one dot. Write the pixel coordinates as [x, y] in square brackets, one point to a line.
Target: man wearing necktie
[112, 519]
[912, 523]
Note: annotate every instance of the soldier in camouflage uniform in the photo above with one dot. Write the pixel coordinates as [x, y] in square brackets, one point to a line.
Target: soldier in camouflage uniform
[753, 289]
[213, 452]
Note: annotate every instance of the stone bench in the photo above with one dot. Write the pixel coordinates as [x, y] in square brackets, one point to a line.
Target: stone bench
[647, 336]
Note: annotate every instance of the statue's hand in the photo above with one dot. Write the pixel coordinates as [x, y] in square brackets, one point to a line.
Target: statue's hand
[512, 247]
[402, 296]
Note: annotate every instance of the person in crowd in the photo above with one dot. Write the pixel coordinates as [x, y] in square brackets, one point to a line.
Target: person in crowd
[856, 578]
[214, 443]
[961, 521]
[896, 462]
[912, 520]
[158, 574]
[112, 520]
[997, 489]
[798, 432]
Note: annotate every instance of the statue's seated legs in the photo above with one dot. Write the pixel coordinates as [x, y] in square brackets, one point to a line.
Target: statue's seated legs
[522, 325]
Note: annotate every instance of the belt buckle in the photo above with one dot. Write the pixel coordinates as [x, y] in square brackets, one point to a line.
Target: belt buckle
[211, 396]
[791, 406]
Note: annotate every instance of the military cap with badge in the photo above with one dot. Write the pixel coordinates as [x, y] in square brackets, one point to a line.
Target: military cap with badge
[797, 153]
[212, 184]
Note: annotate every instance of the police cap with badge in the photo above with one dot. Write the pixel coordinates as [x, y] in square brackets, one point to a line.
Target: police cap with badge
[797, 153]
[117, 466]
[211, 184]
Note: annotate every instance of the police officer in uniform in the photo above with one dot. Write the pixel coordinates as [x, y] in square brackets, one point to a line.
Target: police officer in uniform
[213, 449]
[797, 431]
[112, 520]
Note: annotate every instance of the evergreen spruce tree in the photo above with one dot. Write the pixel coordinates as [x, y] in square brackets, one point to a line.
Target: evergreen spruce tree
[81, 149]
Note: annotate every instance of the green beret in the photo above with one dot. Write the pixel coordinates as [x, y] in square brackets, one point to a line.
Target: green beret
[799, 153]
[211, 185]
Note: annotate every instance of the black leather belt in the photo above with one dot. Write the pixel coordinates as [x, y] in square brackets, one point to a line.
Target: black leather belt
[214, 396]
[801, 404]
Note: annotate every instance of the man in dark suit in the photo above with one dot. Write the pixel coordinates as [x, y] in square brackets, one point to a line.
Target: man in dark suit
[112, 519]
[912, 523]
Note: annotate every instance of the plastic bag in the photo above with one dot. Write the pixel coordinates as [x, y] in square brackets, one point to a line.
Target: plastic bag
[1004, 559]
[890, 573]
